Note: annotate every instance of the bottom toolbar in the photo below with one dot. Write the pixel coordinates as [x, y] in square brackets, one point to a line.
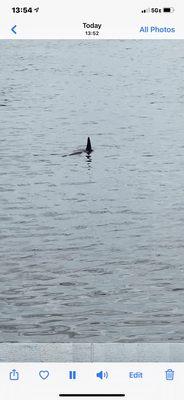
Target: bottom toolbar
[132, 381]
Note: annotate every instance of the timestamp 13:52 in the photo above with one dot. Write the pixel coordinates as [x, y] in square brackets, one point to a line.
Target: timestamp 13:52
[92, 33]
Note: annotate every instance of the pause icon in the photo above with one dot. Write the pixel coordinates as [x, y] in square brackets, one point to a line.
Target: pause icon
[72, 374]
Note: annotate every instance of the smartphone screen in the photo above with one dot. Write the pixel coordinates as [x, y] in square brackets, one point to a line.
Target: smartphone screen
[91, 200]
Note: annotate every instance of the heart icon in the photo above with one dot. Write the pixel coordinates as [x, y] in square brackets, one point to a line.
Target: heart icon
[44, 374]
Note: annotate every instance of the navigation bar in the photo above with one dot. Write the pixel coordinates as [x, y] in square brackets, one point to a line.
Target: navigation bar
[84, 19]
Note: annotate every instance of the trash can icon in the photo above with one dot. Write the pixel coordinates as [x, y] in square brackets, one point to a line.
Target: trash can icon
[169, 374]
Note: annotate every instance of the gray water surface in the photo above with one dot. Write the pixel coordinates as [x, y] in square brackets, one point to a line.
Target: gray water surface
[92, 250]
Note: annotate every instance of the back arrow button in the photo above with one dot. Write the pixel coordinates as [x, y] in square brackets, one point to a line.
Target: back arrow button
[13, 29]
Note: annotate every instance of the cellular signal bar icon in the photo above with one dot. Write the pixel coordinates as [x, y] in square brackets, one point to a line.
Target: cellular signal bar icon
[146, 10]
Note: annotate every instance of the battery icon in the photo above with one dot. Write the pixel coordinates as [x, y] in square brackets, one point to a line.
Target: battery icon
[168, 9]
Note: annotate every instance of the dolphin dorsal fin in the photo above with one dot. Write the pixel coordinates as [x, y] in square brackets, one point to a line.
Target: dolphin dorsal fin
[88, 147]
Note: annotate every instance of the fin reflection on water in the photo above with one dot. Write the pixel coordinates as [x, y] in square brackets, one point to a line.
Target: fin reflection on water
[89, 159]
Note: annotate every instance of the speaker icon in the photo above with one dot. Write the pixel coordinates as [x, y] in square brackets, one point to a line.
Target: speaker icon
[102, 374]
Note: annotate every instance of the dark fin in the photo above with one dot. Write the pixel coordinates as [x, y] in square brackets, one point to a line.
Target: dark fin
[88, 147]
